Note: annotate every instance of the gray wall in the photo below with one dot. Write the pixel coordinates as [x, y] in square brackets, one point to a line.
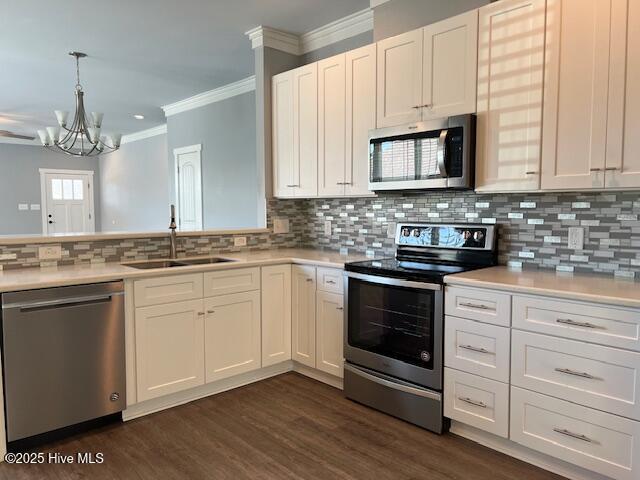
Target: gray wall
[20, 183]
[399, 16]
[134, 186]
[342, 46]
[230, 184]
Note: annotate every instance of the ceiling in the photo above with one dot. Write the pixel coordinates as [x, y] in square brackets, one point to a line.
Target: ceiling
[142, 53]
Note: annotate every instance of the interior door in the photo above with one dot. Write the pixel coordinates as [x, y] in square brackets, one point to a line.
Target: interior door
[399, 97]
[576, 94]
[623, 142]
[68, 203]
[450, 60]
[189, 187]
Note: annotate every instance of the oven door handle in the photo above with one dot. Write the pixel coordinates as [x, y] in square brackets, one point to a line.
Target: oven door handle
[394, 385]
[393, 282]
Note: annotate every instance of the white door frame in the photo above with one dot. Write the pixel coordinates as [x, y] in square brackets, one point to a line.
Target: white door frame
[43, 194]
[176, 153]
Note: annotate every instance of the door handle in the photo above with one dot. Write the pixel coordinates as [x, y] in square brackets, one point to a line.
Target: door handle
[475, 349]
[473, 402]
[568, 371]
[475, 305]
[568, 433]
[573, 323]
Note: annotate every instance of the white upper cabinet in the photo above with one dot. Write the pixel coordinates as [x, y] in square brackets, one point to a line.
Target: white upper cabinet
[331, 126]
[282, 125]
[574, 139]
[623, 142]
[399, 97]
[305, 131]
[510, 86]
[449, 66]
[361, 117]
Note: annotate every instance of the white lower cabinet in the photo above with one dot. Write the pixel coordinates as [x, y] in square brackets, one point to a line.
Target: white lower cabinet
[329, 333]
[303, 315]
[477, 401]
[594, 440]
[276, 314]
[169, 348]
[232, 335]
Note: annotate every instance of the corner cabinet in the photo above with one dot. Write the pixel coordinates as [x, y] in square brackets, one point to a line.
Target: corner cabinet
[510, 77]
[428, 73]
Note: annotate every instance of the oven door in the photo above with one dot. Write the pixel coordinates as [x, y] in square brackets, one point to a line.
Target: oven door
[395, 327]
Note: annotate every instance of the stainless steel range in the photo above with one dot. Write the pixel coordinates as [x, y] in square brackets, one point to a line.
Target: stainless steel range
[393, 337]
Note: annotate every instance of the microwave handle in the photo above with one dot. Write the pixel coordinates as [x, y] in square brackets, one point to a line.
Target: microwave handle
[440, 155]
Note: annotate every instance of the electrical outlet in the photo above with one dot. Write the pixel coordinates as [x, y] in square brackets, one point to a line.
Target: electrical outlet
[239, 241]
[327, 228]
[280, 225]
[576, 238]
[51, 252]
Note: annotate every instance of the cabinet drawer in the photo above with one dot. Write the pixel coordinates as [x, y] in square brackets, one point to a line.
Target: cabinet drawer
[599, 377]
[330, 280]
[478, 304]
[614, 327]
[174, 288]
[594, 440]
[477, 348]
[231, 281]
[477, 401]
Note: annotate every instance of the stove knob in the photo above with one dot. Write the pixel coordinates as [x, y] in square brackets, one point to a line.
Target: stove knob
[425, 356]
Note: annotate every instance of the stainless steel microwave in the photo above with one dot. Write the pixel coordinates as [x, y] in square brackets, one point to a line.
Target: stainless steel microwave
[435, 154]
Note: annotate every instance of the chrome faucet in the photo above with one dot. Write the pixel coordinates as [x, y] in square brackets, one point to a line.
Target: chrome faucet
[172, 234]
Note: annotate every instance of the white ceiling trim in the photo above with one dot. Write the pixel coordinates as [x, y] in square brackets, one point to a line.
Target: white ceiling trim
[141, 135]
[212, 96]
[347, 27]
[272, 38]
[376, 3]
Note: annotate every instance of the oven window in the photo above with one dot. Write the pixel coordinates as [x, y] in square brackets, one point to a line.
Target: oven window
[395, 322]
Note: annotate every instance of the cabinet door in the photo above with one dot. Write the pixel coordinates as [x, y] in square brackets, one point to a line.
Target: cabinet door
[303, 321]
[361, 117]
[576, 94]
[282, 127]
[305, 131]
[623, 141]
[330, 333]
[331, 126]
[450, 63]
[510, 75]
[169, 348]
[399, 97]
[232, 335]
[276, 314]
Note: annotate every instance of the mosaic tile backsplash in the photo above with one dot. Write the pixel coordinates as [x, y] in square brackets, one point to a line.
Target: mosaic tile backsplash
[533, 228]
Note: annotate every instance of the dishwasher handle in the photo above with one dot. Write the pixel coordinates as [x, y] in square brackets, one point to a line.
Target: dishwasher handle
[62, 303]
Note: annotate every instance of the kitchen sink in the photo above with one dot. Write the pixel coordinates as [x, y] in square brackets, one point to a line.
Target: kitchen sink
[182, 262]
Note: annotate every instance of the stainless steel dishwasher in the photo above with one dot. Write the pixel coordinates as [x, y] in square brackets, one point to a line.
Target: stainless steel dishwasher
[63, 357]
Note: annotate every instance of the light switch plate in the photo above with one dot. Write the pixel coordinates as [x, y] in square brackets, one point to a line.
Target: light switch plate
[34, 206]
[50, 252]
[327, 227]
[239, 241]
[23, 206]
[280, 225]
[576, 238]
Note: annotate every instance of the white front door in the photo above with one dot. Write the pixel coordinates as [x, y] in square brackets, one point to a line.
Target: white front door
[67, 199]
[189, 187]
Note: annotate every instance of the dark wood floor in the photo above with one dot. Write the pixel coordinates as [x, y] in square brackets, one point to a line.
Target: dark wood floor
[285, 427]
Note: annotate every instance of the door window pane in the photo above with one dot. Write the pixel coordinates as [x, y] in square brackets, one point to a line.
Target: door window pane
[56, 188]
[78, 190]
[67, 189]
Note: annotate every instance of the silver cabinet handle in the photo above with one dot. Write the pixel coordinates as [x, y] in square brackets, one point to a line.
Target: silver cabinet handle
[343, 183]
[200, 314]
[309, 280]
[412, 127]
[428, 105]
[531, 173]
[339, 308]
[568, 433]
[473, 402]
[211, 311]
[568, 371]
[568, 321]
[612, 169]
[331, 282]
[417, 107]
[476, 349]
[475, 305]
[595, 169]
[291, 186]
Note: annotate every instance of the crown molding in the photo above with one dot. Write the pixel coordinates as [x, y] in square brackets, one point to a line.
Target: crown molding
[377, 3]
[347, 27]
[142, 134]
[212, 96]
[270, 37]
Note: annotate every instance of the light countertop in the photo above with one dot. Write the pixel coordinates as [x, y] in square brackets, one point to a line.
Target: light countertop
[586, 287]
[33, 278]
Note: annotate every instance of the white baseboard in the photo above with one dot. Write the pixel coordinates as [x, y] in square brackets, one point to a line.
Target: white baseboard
[525, 454]
[180, 398]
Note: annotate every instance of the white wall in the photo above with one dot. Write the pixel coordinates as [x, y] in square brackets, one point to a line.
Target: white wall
[134, 187]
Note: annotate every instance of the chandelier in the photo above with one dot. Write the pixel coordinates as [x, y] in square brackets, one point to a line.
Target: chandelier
[82, 138]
